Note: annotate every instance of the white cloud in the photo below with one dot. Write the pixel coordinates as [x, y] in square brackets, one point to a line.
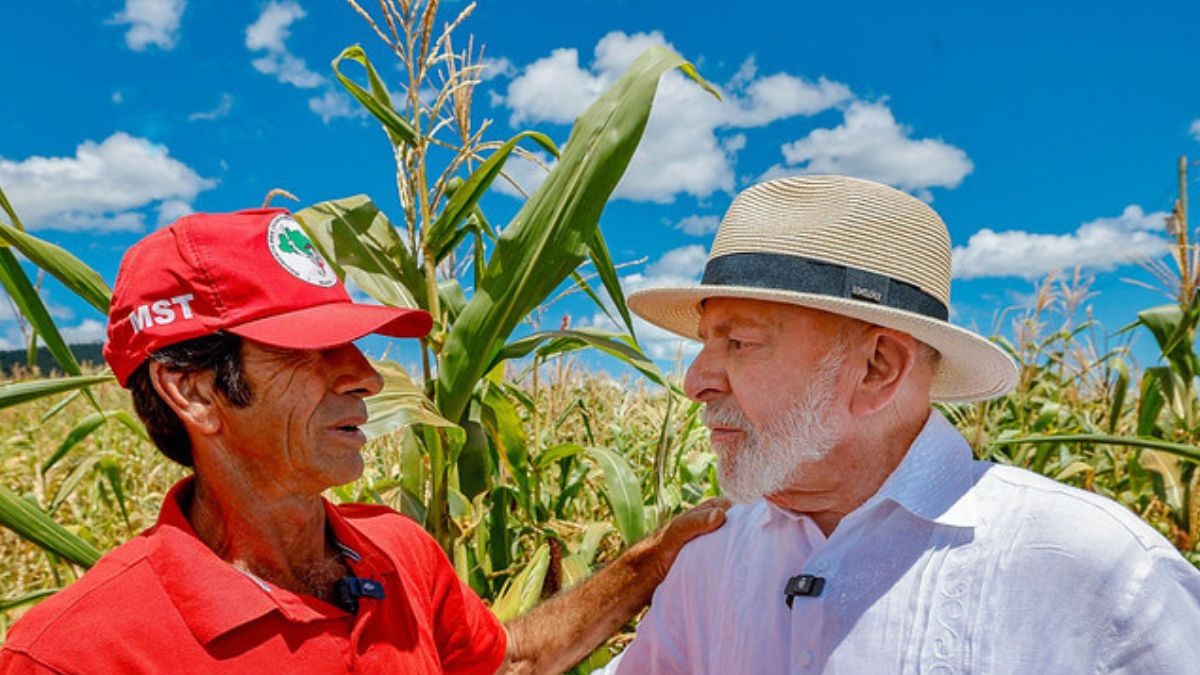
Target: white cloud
[681, 150]
[269, 33]
[524, 172]
[1194, 130]
[573, 88]
[101, 187]
[89, 331]
[151, 23]
[222, 110]
[780, 96]
[677, 267]
[332, 105]
[871, 144]
[1101, 244]
[493, 68]
[171, 210]
[698, 226]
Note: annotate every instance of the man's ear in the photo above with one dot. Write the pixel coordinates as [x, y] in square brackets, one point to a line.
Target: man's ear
[191, 395]
[890, 356]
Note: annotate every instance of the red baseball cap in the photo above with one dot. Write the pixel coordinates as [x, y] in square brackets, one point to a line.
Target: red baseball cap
[252, 273]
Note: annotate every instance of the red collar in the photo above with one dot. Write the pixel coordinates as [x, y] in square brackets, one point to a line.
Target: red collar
[213, 597]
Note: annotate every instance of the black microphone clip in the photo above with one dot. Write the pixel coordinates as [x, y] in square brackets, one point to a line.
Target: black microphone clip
[805, 585]
[348, 590]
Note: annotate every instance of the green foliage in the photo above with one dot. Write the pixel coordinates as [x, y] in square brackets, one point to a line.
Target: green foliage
[527, 471]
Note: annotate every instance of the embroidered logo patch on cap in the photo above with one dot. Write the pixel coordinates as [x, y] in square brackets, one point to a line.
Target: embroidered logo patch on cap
[296, 253]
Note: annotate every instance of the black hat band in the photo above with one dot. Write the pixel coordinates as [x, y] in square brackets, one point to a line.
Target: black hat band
[782, 272]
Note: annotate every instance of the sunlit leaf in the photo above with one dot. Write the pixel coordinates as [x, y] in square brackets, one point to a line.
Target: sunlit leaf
[60, 264]
[524, 590]
[623, 492]
[23, 392]
[377, 101]
[553, 232]
[31, 523]
[552, 342]
[400, 404]
[363, 246]
[30, 304]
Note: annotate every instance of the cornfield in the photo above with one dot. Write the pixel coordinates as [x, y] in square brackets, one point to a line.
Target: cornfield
[527, 468]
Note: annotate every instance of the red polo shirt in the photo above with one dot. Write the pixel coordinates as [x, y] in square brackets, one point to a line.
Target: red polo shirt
[164, 602]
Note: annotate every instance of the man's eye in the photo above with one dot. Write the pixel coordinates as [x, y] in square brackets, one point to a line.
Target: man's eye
[736, 345]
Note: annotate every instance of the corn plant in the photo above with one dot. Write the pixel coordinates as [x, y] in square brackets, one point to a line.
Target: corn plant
[18, 513]
[479, 462]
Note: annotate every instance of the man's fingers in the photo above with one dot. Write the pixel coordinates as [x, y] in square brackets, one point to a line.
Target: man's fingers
[664, 545]
[700, 519]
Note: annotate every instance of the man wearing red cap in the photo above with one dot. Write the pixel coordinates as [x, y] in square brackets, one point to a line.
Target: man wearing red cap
[234, 337]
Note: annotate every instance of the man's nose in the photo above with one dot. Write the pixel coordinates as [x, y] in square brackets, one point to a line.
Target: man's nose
[705, 378]
[354, 374]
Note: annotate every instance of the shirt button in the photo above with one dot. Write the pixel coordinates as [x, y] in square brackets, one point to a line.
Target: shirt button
[806, 658]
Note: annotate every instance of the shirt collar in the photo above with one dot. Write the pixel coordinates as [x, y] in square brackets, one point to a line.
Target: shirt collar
[933, 481]
[214, 597]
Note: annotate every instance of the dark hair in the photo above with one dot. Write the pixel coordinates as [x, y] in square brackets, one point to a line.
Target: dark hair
[220, 353]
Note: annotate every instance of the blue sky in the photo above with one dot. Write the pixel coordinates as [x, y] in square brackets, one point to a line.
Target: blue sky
[1045, 137]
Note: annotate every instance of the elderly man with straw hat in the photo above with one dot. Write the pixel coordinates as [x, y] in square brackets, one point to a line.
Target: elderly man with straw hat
[868, 539]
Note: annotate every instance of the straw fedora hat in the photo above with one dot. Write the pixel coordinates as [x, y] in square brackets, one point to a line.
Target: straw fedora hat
[846, 246]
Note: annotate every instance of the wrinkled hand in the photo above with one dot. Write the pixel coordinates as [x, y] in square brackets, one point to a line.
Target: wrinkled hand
[664, 545]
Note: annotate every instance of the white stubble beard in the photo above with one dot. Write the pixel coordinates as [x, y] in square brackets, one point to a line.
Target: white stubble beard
[763, 463]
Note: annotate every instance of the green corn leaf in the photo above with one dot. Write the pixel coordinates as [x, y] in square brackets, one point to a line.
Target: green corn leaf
[111, 470]
[554, 454]
[550, 342]
[12, 214]
[499, 544]
[32, 524]
[503, 425]
[440, 235]
[1171, 486]
[378, 101]
[452, 298]
[587, 289]
[413, 471]
[1178, 449]
[1173, 330]
[524, 590]
[131, 423]
[574, 570]
[82, 430]
[58, 407]
[26, 599]
[69, 270]
[593, 534]
[1120, 388]
[362, 245]
[608, 276]
[30, 304]
[72, 481]
[400, 404]
[1155, 383]
[555, 229]
[623, 492]
[475, 462]
[23, 392]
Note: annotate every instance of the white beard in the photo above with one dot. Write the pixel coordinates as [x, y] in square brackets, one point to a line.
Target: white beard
[769, 460]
